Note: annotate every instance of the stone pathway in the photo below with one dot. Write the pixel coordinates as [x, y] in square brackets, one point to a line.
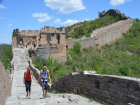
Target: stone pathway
[20, 59]
[18, 95]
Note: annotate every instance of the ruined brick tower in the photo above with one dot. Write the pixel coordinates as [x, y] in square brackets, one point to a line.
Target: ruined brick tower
[49, 41]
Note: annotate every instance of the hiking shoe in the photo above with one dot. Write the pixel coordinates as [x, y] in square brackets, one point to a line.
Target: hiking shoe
[29, 97]
[43, 95]
[47, 96]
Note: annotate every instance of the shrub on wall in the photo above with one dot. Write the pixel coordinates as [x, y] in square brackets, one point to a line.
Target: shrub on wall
[6, 55]
[88, 27]
[119, 58]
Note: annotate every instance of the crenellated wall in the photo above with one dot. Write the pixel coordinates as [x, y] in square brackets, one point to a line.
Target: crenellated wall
[107, 89]
[103, 35]
[5, 84]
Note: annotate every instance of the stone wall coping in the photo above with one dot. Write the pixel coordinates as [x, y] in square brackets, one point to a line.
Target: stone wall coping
[114, 76]
[37, 70]
[93, 73]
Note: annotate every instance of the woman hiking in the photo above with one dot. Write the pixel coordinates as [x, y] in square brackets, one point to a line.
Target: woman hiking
[44, 74]
[27, 81]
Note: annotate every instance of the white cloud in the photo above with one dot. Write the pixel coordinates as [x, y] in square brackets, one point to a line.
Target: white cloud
[11, 20]
[117, 2]
[69, 22]
[10, 24]
[43, 17]
[47, 18]
[57, 21]
[2, 18]
[29, 26]
[1, 39]
[39, 14]
[22, 29]
[2, 6]
[65, 6]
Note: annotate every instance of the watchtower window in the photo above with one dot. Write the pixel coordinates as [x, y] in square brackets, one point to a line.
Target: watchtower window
[67, 47]
[97, 84]
[20, 42]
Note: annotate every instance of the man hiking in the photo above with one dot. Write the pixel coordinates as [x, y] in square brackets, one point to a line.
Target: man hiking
[44, 74]
[27, 81]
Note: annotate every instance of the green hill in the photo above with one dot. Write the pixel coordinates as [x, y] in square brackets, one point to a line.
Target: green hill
[6, 55]
[119, 58]
[88, 27]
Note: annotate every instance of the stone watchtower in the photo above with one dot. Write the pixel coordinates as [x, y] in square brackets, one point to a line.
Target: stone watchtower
[51, 35]
[49, 41]
[24, 37]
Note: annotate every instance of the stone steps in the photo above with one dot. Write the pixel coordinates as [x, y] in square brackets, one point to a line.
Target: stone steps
[20, 59]
[18, 95]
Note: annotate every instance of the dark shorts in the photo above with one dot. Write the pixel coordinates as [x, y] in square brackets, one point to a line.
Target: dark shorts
[44, 84]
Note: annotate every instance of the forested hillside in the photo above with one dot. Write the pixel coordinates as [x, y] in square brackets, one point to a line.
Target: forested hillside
[6, 55]
[88, 27]
[119, 58]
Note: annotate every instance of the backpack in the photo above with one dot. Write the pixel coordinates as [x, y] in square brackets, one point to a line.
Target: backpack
[44, 79]
[45, 72]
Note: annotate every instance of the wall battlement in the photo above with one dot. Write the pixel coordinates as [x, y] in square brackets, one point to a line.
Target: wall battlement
[29, 31]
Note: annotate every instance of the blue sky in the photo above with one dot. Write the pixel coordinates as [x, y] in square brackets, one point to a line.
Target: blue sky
[35, 14]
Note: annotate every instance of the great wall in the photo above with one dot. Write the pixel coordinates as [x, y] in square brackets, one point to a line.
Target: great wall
[103, 35]
[106, 89]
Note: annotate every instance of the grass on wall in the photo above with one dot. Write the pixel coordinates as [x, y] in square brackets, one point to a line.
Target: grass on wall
[88, 27]
[119, 58]
[6, 55]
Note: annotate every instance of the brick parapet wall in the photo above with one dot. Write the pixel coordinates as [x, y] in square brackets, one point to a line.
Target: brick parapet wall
[113, 90]
[108, 89]
[5, 84]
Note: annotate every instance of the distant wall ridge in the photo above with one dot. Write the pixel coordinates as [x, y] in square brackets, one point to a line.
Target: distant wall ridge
[104, 34]
[114, 12]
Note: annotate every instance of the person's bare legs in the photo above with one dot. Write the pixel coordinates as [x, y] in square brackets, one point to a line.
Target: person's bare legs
[27, 93]
[43, 89]
[45, 92]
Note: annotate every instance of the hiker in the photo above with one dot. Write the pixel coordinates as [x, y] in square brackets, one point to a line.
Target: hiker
[23, 44]
[26, 44]
[34, 44]
[44, 74]
[27, 81]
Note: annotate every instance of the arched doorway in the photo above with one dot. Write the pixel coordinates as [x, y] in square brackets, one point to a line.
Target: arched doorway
[58, 38]
[67, 47]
